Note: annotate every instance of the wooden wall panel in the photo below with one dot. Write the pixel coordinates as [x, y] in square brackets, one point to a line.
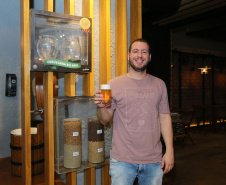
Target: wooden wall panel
[105, 40]
[25, 91]
[135, 19]
[88, 79]
[120, 37]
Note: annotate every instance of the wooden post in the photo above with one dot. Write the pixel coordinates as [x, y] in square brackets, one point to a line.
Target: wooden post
[88, 83]
[25, 91]
[69, 85]
[135, 19]
[88, 79]
[105, 57]
[105, 177]
[49, 128]
[105, 40]
[48, 5]
[89, 176]
[69, 7]
[120, 37]
[48, 117]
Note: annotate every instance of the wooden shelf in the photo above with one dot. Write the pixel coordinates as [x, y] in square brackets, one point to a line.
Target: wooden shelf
[6, 177]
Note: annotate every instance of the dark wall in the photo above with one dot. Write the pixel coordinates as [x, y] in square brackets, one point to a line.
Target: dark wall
[189, 87]
[159, 39]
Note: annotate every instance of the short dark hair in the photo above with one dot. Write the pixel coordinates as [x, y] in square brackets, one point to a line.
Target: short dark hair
[140, 40]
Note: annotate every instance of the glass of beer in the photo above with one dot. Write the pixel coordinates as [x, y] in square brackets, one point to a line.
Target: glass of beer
[106, 92]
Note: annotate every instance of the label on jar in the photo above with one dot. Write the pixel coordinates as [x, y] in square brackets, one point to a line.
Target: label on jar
[99, 131]
[75, 133]
[75, 153]
[100, 149]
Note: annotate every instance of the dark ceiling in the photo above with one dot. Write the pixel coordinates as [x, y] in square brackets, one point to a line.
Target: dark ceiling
[153, 10]
[211, 24]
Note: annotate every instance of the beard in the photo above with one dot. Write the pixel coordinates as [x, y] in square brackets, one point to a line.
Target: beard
[138, 69]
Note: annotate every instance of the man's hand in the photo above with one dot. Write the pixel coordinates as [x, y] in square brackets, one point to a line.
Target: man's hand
[98, 98]
[103, 114]
[167, 162]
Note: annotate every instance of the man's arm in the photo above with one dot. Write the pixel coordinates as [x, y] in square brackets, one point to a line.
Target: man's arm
[103, 113]
[167, 134]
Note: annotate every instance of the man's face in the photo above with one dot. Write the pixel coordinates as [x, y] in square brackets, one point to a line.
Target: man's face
[139, 56]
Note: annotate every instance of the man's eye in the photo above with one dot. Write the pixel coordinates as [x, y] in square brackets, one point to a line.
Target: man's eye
[144, 52]
[135, 51]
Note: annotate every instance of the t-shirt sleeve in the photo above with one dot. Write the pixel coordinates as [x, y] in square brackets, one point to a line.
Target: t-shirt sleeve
[164, 104]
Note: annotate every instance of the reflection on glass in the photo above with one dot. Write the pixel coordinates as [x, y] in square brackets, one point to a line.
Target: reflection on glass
[85, 50]
[71, 48]
[47, 47]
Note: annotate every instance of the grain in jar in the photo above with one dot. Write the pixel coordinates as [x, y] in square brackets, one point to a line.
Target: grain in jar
[95, 140]
[72, 143]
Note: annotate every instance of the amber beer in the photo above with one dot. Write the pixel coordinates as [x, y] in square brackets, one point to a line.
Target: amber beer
[106, 92]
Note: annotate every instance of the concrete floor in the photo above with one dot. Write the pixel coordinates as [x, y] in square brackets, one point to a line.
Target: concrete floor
[203, 163]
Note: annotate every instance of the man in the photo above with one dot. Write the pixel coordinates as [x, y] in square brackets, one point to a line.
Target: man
[141, 114]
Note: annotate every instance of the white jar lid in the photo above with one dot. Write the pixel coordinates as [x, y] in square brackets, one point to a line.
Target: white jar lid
[105, 86]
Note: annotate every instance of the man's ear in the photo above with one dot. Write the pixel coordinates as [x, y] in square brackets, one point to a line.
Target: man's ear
[128, 56]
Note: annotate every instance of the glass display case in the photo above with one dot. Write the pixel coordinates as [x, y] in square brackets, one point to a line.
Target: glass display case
[60, 42]
[71, 122]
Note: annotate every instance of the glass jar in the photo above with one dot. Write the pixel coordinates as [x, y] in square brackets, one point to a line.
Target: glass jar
[72, 143]
[106, 92]
[71, 49]
[47, 47]
[96, 152]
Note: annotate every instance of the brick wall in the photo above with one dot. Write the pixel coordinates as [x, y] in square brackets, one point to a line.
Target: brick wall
[187, 86]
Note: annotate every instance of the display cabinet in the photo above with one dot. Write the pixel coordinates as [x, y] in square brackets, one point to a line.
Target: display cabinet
[60, 42]
[72, 117]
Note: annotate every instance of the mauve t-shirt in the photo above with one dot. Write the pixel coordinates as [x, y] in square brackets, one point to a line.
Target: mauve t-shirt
[136, 125]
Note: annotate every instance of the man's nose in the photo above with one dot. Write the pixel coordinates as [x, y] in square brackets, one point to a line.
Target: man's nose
[139, 54]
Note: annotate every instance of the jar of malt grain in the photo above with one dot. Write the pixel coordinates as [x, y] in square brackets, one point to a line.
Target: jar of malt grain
[95, 140]
[72, 143]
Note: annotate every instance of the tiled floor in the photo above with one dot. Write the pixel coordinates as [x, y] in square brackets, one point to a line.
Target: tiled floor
[203, 163]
